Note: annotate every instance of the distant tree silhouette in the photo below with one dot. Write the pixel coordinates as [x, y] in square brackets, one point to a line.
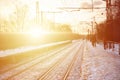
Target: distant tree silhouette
[66, 28]
[58, 27]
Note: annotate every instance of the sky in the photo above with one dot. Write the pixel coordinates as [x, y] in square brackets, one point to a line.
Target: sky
[8, 7]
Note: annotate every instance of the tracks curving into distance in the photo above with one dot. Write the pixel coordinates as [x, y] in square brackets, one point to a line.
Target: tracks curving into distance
[54, 59]
[18, 69]
[56, 72]
[49, 65]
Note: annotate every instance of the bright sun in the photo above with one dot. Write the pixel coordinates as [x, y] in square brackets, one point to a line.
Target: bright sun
[36, 32]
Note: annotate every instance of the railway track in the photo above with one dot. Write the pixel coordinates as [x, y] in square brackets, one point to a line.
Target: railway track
[41, 71]
[9, 67]
[74, 70]
[57, 73]
[35, 69]
[41, 58]
[54, 66]
[71, 66]
[29, 60]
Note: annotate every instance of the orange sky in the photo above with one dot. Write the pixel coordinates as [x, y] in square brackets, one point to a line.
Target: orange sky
[8, 7]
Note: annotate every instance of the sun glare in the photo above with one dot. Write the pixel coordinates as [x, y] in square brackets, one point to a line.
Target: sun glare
[36, 32]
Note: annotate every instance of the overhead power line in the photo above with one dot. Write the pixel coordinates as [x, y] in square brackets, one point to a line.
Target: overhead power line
[81, 8]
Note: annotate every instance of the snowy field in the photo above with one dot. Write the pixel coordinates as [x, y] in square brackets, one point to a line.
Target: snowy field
[100, 64]
[114, 50]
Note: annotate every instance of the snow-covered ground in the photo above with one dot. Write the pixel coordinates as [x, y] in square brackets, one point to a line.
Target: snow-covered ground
[100, 64]
[115, 50]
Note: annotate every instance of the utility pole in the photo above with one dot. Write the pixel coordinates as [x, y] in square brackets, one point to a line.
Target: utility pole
[37, 13]
[92, 5]
[93, 17]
